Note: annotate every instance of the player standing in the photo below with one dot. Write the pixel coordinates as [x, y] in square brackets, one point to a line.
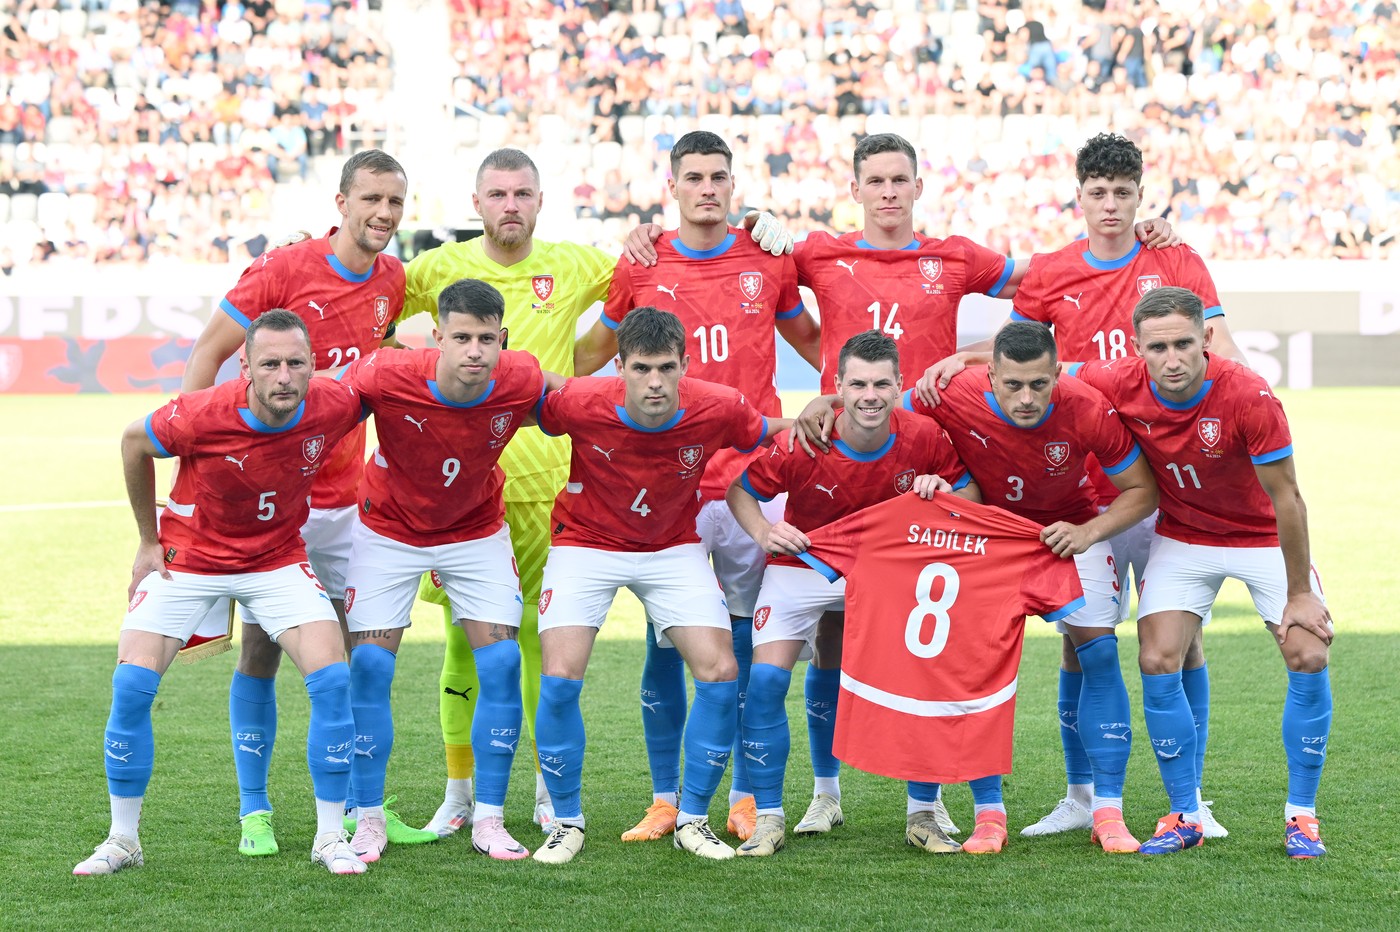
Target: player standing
[876, 453]
[730, 295]
[250, 450]
[627, 518]
[431, 502]
[1219, 445]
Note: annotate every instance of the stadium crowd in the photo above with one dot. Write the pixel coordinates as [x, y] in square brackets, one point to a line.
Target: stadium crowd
[1270, 128]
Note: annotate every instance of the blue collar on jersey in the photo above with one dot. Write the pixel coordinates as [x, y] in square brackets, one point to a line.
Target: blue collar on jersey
[252, 421]
[866, 244]
[1182, 405]
[996, 409]
[345, 273]
[437, 393]
[860, 457]
[626, 418]
[689, 253]
[1109, 265]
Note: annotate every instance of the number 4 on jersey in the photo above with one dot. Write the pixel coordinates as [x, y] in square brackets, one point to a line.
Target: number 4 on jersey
[639, 506]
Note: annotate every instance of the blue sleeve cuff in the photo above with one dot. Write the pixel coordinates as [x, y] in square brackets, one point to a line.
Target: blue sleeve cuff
[748, 487]
[1017, 315]
[761, 437]
[963, 482]
[795, 312]
[1265, 458]
[1065, 612]
[1124, 463]
[608, 322]
[238, 316]
[161, 451]
[1216, 311]
[1074, 368]
[830, 574]
[1005, 277]
[907, 400]
[539, 403]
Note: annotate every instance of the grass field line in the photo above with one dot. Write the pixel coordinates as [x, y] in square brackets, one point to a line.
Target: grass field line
[60, 506]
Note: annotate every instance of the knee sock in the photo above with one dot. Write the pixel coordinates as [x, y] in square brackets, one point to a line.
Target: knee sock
[1078, 772]
[821, 688]
[663, 713]
[743, 653]
[1197, 685]
[562, 742]
[766, 740]
[923, 796]
[330, 736]
[496, 725]
[371, 677]
[459, 690]
[1173, 736]
[129, 747]
[1307, 723]
[1104, 718]
[709, 739]
[252, 716]
[986, 794]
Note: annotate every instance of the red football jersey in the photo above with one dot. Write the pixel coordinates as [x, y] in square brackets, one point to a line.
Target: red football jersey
[728, 298]
[936, 598]
[1203, 451]
[434, 478]
[910, 294]
[635, 488]
[242, 490]
[1036, 472]
[347, 316]
[826, 487]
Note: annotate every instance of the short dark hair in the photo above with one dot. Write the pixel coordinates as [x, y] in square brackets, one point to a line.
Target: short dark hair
[880, 143]
[649, 331]
[870, 346]
[1108, 155]
[1169, 300]
[374, 161]
[507, 160]
[1024, 341]
[699, 142]
[474, 297]
[278, 320]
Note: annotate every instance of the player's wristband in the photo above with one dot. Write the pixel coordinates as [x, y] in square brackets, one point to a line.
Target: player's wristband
[393, 328]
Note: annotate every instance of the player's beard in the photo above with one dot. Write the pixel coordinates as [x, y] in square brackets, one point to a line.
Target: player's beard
[510, 236]
[277, 406]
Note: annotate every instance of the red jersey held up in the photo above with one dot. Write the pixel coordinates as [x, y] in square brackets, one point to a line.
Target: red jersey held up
[936, 598]
[633, 488]
[242, 491]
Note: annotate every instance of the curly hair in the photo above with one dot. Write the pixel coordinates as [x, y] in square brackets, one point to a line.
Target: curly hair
[1108, 155]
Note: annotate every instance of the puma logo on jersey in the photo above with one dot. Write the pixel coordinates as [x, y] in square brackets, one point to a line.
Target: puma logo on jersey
[849, 268]
[670, 291]
[175, 412]
[1146, 425]
[236, 462]
[830, 493]
[417, 424]
[320, 309]
[607, 454]
[978, 436]
[1075, 300]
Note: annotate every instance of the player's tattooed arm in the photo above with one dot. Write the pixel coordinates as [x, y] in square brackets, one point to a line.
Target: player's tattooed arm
[139, 470]
[813, 426]
[1304, 608]
[497, 632]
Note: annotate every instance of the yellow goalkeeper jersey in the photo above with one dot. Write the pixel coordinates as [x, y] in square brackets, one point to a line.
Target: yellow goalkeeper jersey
[545, 293]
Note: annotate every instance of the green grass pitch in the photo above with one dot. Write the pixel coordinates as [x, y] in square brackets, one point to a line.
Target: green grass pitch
[66, 570]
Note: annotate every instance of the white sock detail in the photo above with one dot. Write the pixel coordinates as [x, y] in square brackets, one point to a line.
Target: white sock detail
[126, 815]
[459, 791]
[979, 808]
[328, 816]
[672, 798]
[1113, 802]
[684, 818]
[1302, 812]
[913, 805]
[831, 786]
[487, 811]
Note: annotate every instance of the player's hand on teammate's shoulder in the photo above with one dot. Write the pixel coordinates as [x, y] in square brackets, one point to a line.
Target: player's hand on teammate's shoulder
[768, 232]
[784, 538]
[1157, 233]
[1308, 612]
[296, 236]
[1067, 540]
[937, 377]
[812, 428]
[640, 246]
[926, 485]
[150, 558]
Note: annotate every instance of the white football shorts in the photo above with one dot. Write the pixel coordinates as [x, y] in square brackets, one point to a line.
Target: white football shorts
[1105, 603]
[1186, 577]
[737, 557]
[280, 599]
[479, 577]
[792, 602]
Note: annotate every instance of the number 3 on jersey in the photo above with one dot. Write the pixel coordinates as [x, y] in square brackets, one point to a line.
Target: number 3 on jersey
[639, 506]
[926, 606]
[890, 328]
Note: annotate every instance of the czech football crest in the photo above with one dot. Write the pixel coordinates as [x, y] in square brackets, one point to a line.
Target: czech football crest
[381, 309]
[1148, 283]
[1208, 429]
[751, 284]
[543, 285]
[904, 481]
[691, 455]
[311, 447]
[136, 600]
[545, 598]
[760, 617]
[931, 268]
[500, 424]
[1057, 453]
[437, 580]
[349, 597]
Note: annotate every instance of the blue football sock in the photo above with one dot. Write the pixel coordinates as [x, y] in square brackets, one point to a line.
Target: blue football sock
[330, 736]
[1103, 715]
[129, 749]
[496, 723]
[1197, 685]
[663, 713]
[821, 688]
[1077, 768]
[1307, 723]
[1173, 735]
[986, 791]
[561, 742]
[743, 653]
[709, 738]
[252, 715]
[371, 677]
[766, 739]
[924, 792]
